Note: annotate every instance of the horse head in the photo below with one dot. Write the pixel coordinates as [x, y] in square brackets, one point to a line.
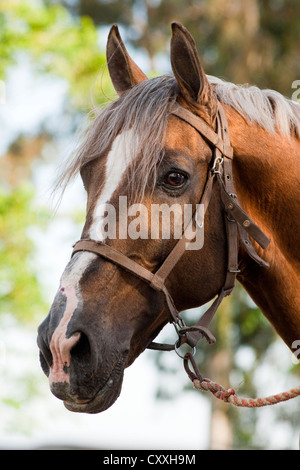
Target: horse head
[138, 157]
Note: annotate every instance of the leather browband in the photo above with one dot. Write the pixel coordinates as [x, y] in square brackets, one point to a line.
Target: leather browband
[223, 145]
[238, 227]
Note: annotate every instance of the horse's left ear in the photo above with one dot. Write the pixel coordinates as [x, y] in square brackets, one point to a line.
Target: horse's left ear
[190, 76]
[123, 71]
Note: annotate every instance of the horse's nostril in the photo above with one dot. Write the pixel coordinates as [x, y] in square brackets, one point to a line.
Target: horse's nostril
[81, 350]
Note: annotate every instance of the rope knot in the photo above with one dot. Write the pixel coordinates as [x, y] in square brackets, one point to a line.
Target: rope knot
[217, 390]
[227, 394]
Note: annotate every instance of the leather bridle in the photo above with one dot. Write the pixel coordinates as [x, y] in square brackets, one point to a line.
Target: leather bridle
[238, 228]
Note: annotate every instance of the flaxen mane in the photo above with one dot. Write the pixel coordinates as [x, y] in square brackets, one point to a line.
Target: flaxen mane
[146, 108]
[268, 108]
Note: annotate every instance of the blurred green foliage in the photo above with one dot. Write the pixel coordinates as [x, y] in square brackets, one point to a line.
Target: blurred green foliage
[56, 42]
[20, 292]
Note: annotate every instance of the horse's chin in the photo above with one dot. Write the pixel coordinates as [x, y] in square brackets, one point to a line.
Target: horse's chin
[100, 402]
[104, 398]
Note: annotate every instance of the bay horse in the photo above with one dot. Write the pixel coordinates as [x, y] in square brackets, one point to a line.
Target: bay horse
[174, 140]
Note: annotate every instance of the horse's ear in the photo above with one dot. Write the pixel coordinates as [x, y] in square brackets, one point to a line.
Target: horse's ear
[124, 72]
[188, 71]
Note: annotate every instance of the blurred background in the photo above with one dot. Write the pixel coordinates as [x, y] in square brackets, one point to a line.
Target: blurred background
[52, 72]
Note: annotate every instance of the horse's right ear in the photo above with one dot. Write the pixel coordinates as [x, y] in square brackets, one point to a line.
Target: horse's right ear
[123, 71]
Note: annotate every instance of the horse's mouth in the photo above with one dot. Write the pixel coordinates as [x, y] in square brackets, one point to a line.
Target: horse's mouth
[105, 397]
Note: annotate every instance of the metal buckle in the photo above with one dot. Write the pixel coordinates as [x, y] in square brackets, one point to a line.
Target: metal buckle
[217, 164]
[178, 324]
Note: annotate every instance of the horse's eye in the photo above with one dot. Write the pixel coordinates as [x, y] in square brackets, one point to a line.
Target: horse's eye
[175, 179]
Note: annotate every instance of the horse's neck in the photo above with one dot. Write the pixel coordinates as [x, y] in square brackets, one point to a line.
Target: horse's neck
[267, 178]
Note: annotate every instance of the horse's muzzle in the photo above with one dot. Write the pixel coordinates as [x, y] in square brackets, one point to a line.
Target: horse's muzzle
[83, 370]
[105, 397]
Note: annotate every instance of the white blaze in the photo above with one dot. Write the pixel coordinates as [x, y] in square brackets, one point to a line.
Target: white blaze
[60, 345]
[117, 161]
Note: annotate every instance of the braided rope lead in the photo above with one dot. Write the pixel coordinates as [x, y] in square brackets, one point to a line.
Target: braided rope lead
[229, 395]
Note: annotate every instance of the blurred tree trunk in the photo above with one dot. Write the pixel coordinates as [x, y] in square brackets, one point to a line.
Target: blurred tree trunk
[221, 428]
[219, 367]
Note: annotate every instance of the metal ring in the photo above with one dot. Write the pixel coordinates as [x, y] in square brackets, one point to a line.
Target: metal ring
[180, 355]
